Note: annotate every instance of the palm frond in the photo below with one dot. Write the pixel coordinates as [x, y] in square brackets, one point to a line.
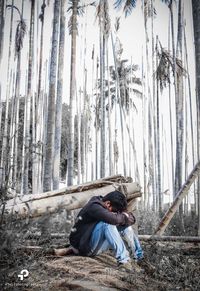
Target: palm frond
[19, 37]
[15, 7]
[165, 64]
[41, 15]
[136, 92]
[169, 2]
[129, 5]
[117, 23]
[136, 81]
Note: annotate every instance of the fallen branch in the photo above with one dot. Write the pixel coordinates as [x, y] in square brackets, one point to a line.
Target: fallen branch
[177, 201]
[192, 239]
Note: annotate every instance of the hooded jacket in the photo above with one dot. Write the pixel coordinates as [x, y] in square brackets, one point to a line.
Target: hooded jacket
[92, 213]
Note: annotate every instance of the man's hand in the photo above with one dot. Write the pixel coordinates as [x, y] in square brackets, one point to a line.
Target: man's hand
[130, 217]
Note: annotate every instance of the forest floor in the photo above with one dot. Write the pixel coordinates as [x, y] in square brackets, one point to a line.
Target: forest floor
[177, 267]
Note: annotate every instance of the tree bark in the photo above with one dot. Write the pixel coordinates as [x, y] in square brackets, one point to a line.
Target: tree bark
[58, 120]
[26, 144]
[70, 156]
[196, 21]
[47, 184]
[38, 204]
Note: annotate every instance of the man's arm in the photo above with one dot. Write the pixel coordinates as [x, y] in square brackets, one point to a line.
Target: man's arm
[100, 213]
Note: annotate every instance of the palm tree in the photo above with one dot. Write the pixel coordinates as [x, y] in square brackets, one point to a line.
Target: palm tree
[48, 167]
[5, 133]
[37, 158]
[196, 21]
[19, 36]
[27, 120]
[57, 144]
[104, 24]
[128, 5]
[1, 26]
[73, 32]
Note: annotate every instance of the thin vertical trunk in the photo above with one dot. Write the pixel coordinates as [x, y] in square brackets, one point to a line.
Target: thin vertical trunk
[151, 165]
[109, 115]
[171, 125]
[15, 137]
[78, 114]
[118, 99]
[196, 23]
[1, 26]
[48, 167]
[102, 96]
[25, 174]
[58, 125]
[158, 143]
[96, 123]
[179, 106]
[154, 107]
[5, 132]
[70, 158]
[190, 108]
[39, 107]
[144, 140]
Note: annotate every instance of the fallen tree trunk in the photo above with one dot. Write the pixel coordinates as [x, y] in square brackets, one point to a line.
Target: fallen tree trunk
[177, 201]
[112, 180]
[192, 239]
[142, 237]
[50, 202]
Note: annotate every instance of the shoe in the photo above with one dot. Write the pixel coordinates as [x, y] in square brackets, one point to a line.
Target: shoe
[143, 263]
[125, 267]
[130, 267]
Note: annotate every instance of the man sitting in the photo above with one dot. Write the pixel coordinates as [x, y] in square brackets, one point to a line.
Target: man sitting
[102, 224]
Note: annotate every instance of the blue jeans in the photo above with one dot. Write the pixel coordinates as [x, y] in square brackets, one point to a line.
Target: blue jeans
[106, 236]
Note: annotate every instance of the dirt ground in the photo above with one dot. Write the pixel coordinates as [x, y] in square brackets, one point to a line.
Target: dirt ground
[177, 267]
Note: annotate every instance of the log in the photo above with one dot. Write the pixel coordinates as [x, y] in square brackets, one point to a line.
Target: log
[30, 206]
[142, 237]
[192, 239]
[111, 180]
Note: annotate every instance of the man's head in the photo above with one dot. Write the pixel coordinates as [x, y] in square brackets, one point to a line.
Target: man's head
[115, 201]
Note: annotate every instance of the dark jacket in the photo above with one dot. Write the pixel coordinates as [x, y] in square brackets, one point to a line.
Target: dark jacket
[92, 213]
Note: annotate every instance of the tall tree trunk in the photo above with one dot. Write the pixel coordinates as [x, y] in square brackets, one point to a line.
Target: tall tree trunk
[58, 125]
[144, 101]
[70, 156]
[171, 124]
[179, 106]
[96, 121]
[5, 132]
[48, 166]
[2, 2]
[102, 98]
[196, 22]
[26, 158]
[118, 99]
[158, 149]
[78, 113]
[39, 107]
[109, 115]
[179, 112]
[16, 133]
